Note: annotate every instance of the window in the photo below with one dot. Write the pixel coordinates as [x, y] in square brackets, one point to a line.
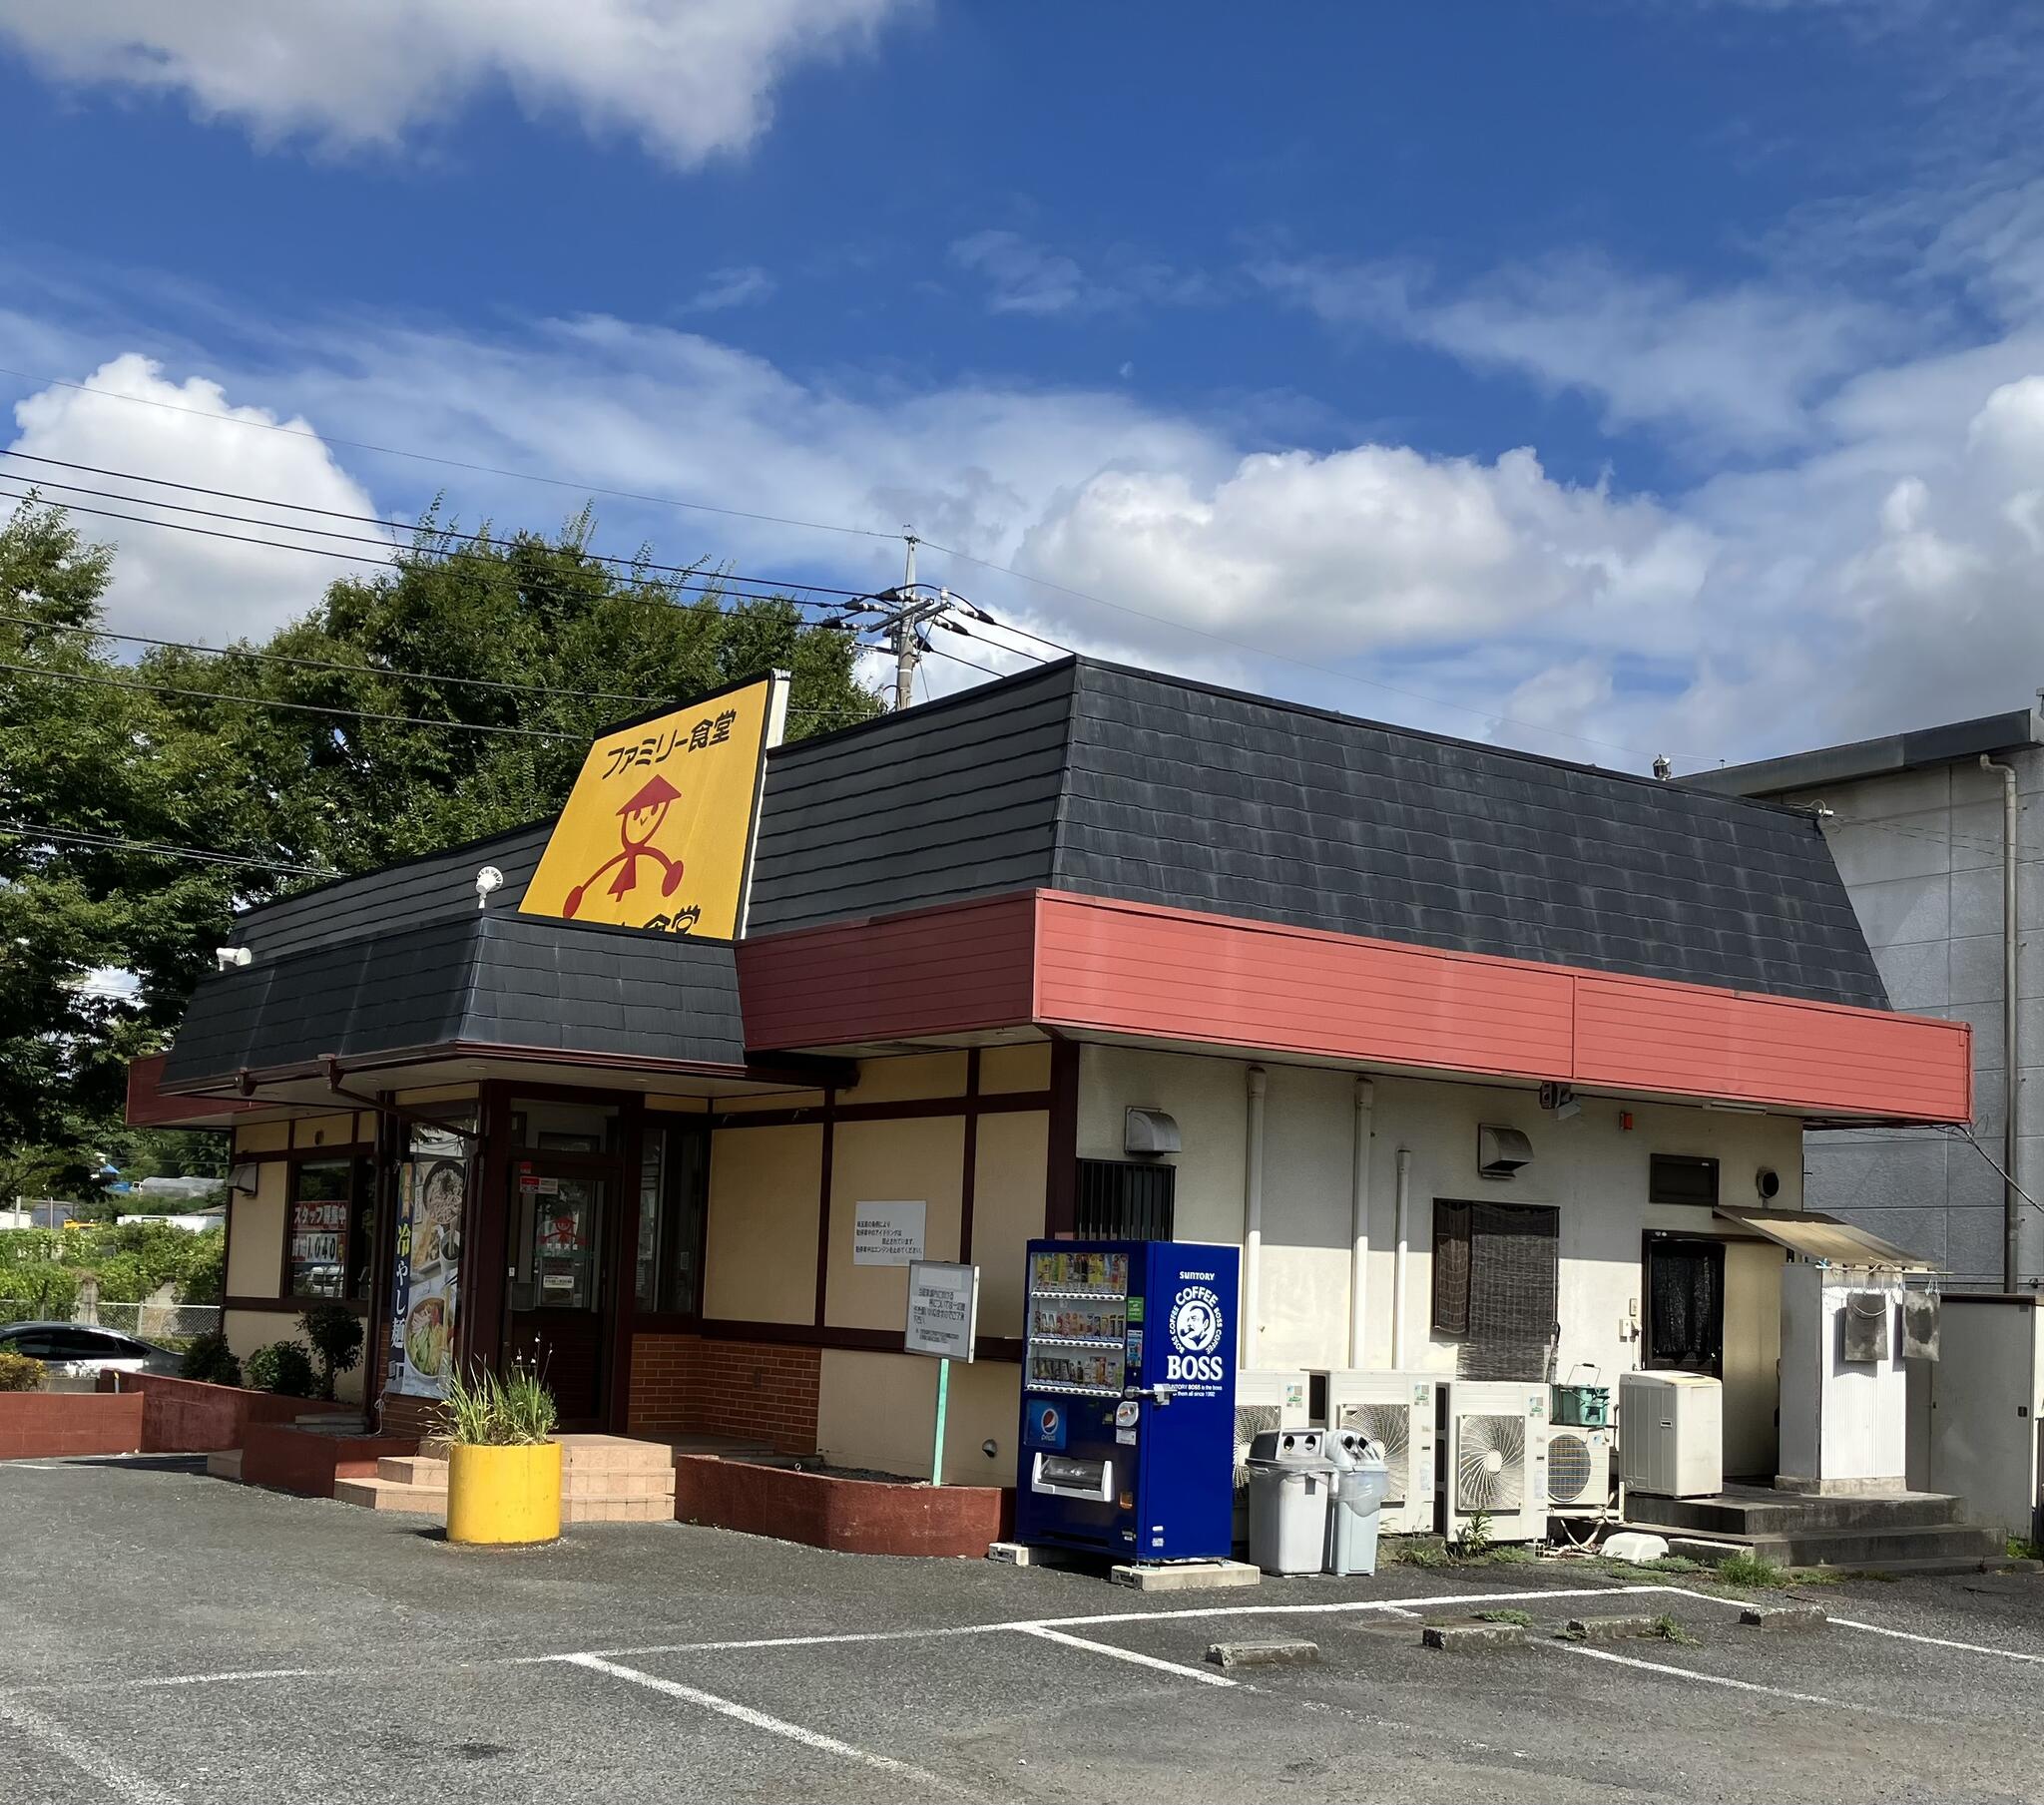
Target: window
[1125, 1201]
[1682, 1179]
[332, 1216]
[674, 1175]
[1495, 1272]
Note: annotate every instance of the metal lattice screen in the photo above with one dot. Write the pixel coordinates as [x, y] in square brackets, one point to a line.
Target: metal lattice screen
[1125, 1201]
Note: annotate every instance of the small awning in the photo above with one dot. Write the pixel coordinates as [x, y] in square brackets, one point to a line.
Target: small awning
[1826, 1240]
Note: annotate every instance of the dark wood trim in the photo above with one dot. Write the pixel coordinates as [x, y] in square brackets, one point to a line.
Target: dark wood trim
[1061, 1171]
[623, 1262]
[823, 1210]
[871, 1341]
[486, 1216]
[967, 1178]
[1000, 1102]
[383, 1259]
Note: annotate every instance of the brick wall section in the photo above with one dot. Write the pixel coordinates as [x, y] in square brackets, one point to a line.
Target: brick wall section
[403, 1415]
[762, 1390]
[185, 1416]
[43, 1425]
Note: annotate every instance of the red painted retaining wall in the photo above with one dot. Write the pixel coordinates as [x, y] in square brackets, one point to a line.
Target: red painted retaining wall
[852, 1515]
[44, 1424]
[303, 1460]
[185, 1416]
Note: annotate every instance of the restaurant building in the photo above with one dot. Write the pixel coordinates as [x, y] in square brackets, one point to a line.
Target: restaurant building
[1493, 1065]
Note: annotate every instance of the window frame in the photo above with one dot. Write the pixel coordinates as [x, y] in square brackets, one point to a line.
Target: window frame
[1444, 1209]
[669, 1207]
[360, 1233]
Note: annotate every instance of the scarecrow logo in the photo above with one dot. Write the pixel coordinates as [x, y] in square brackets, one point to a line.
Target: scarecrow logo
[639, 820]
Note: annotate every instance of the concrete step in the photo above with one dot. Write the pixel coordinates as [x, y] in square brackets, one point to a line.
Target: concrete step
[617, 1510]
[618, 1485]
[1739, 1517]
[1961, 1546]
[614, 1454]
[386, 1494]
[225, 1463]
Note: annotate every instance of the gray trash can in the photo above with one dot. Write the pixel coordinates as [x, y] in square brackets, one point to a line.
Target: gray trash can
[1291, 1486]
[1358, 1499]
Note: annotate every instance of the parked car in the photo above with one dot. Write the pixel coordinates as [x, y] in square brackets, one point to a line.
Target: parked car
[77, 1350]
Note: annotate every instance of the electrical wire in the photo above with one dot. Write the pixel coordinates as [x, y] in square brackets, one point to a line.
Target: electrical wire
[23, 830]
[271, 701]
[767, 584]
[425, 457]
[417, 677]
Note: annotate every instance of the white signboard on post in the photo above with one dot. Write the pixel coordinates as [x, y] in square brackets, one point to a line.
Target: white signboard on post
[943, 1309]
[887, 1234]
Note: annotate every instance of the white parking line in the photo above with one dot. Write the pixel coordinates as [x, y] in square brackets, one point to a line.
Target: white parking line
[760, 1720]
[1708, 1679]
[1936, 1642]
[116, 1776]
[1125, 1655]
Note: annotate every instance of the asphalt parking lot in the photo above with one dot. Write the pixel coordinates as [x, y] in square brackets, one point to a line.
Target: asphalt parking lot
[170, 1637]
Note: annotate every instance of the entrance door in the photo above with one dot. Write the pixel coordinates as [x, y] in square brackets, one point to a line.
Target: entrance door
[557, 1320]
[1713, 1306]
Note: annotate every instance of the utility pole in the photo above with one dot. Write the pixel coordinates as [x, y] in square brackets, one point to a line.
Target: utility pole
[904, 633]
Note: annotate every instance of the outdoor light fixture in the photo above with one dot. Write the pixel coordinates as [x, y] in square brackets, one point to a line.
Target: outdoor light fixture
[487, 879]
[227, 958]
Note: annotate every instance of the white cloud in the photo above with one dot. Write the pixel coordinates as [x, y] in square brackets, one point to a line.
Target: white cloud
[739, 285]
[690, 79]
[189, 584]
[1023, 276]
[1743, 363]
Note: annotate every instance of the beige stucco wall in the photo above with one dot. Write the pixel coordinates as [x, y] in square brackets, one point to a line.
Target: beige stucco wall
[1593, 1170]
[1009, 1183]
[917, 1159]
[261, 1137]
[1008, 1069]
[256, 1234]
[329, 1131]
[911, 1076]
[760, 1247]
[880, 1411]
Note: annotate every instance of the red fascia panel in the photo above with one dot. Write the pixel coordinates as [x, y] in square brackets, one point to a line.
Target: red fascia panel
[1135, 969]
[149, 1108]
[942, 970]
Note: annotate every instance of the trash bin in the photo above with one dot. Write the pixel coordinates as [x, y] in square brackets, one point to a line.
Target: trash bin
[1291, 1486]
[1358, 1499]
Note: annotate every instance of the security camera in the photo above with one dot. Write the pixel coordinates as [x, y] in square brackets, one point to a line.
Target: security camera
[227, 958]
[487, 879]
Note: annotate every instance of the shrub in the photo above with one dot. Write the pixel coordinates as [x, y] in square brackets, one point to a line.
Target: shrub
[488, 1412]
[19, 1373]
[211, 1359]
[283, 1367]
[336, 1333]
[1753, 1571]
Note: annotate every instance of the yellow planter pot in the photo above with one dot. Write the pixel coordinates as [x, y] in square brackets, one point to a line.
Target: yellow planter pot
[500, 1497]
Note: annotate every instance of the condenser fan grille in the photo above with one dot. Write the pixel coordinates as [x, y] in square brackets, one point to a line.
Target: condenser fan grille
[1251, 1421]
[1569, 1470]
[1490, 1463]
[1389, 1424]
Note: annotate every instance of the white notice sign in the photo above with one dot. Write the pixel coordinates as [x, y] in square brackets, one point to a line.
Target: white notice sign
[886, 1234]
[943, 1309]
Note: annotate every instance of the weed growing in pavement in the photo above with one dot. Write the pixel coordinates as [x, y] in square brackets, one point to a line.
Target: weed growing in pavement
[1668, 1629]
[2021, 1547]
[1753, 1571]
[1519, 1619]
[1429, 1553]
[1474, 1541]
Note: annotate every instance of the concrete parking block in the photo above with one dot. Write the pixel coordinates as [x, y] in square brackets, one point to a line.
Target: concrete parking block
[1284, 1651]
[1611, 1629]
[1782, 1616]
[1470, 1639]
[1188, 1575]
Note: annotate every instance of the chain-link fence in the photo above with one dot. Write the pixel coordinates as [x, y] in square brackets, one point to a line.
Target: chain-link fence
[168, 1326]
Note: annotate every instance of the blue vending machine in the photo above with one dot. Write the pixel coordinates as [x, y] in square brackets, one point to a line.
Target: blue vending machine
[1127, 1399]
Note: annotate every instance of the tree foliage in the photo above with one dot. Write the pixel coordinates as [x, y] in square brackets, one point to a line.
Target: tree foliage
[525, 633]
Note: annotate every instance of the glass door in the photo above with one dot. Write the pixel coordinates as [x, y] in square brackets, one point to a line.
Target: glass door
[556, 1323]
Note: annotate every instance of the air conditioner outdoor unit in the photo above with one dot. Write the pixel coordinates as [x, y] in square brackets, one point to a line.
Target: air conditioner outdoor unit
[1670, 1434]
[1264, 1399]
[1496, 1435]
[1578, 1471]
[1395, 1409]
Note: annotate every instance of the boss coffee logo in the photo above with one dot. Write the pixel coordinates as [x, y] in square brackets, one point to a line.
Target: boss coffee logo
[1195, 1327]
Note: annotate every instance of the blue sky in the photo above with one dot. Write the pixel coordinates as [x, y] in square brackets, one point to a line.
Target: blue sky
[1600, 377]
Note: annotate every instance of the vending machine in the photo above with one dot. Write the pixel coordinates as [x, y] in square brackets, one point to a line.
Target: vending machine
[1127, 1399]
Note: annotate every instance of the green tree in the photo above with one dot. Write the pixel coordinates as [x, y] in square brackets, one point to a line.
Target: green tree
[535, 633]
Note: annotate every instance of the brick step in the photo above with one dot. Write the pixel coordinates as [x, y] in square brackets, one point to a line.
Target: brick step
[387, 1495]
[617, 1510]
[413, 1469]
[225, 1463]
[618, 1484]
[326, 1422]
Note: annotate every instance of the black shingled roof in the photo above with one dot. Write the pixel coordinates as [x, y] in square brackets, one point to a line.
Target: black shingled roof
[1110, 781]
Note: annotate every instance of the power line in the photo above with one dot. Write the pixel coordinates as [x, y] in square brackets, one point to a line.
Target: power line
[271, 701]
[23, 830]
[424, 457]
[418, 676]
[771, 584]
